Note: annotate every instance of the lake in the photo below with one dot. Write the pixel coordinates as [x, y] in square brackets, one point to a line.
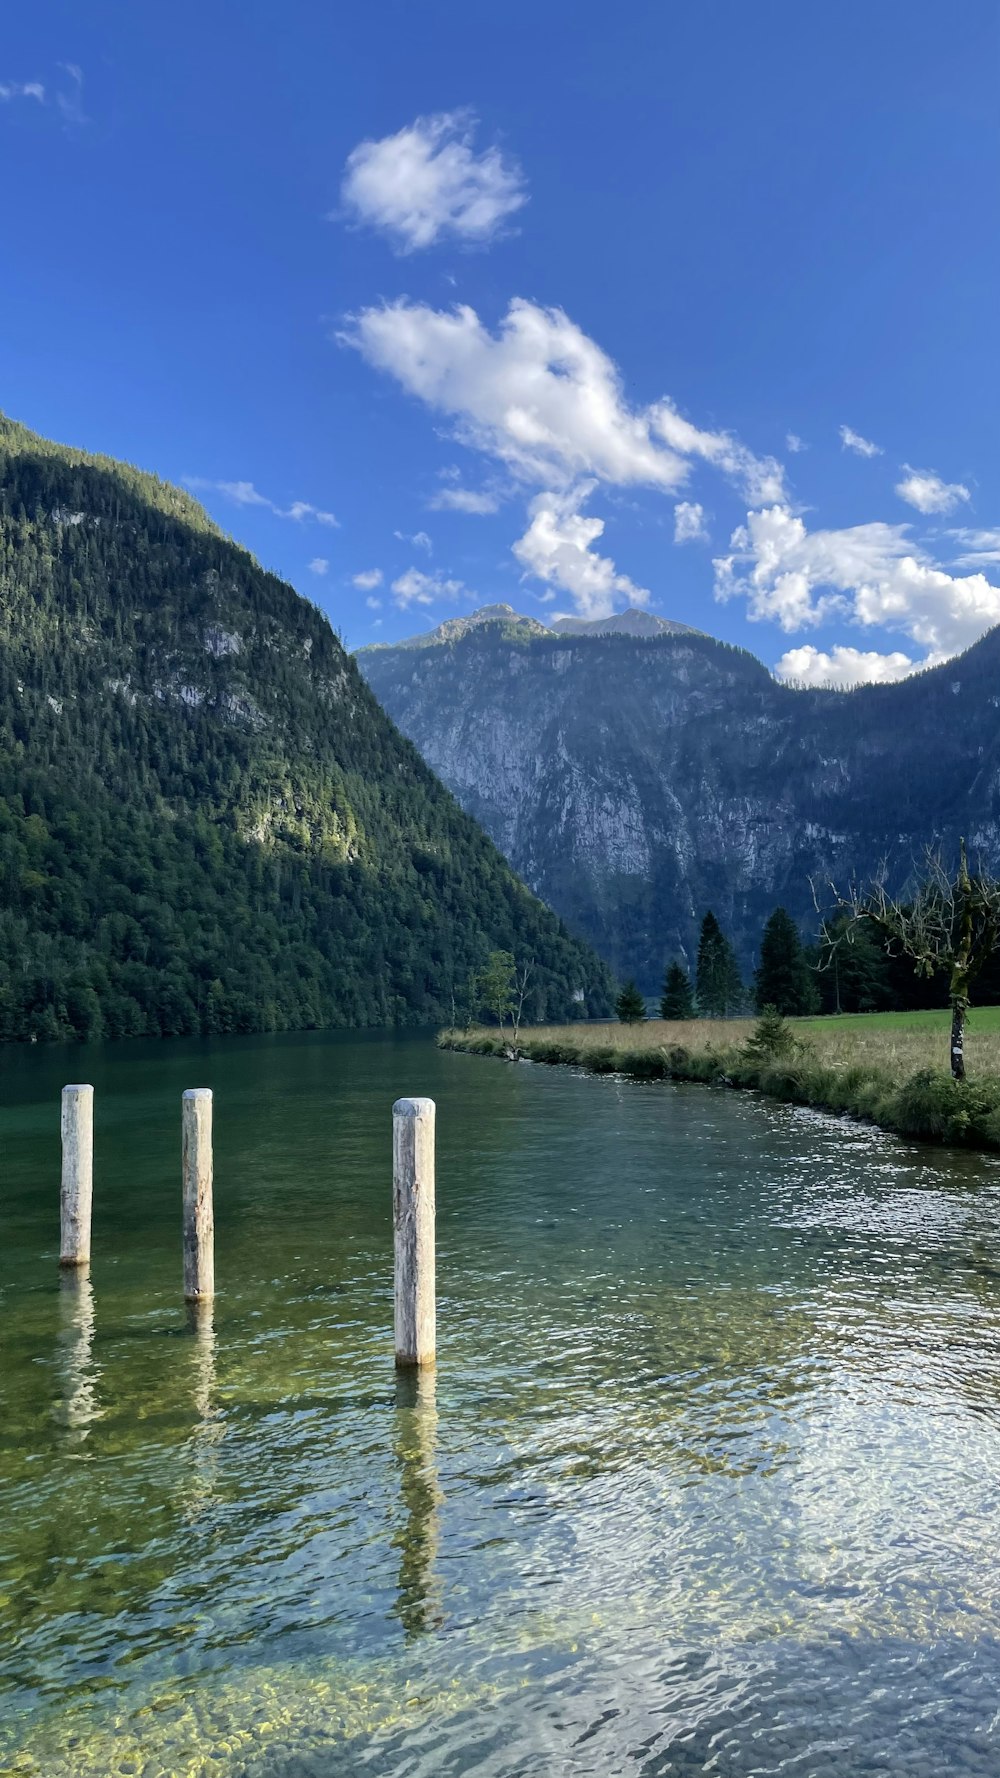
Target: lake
[706, 1480]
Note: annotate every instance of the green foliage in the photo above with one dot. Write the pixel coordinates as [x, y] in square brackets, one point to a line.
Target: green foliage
[630, 1005]
[853, 972]
[784, 979]
[677, 999]
[493, 987]
[207, 824]
[771, 1035]
[718, 987]
[928, 1106]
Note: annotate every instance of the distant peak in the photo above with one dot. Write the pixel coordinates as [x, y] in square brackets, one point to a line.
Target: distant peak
[516, 626]
[632, 622]
[512, 623]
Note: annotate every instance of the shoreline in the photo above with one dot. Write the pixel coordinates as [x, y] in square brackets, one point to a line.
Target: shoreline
[925, 1106]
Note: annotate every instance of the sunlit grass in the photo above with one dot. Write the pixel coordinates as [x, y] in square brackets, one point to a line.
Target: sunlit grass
[890, 1068]
[904, 1042]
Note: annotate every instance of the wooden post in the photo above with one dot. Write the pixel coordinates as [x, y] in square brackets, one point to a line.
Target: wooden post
[77, 1194]
[413, 1229]
[199, 1225]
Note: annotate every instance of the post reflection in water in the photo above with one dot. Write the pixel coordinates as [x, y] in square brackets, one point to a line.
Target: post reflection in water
[208, 1428]
[419, 1605]
[78, 1406]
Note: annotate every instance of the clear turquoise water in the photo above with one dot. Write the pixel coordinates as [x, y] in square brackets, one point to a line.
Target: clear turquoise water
[706, 1482]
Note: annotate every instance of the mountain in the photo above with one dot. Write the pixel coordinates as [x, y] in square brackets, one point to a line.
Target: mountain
[504, 617]
[206, 821]
[621, 623]
[635, 782]
[516, 627]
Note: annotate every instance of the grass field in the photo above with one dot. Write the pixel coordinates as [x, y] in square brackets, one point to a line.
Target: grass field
[889, 1068]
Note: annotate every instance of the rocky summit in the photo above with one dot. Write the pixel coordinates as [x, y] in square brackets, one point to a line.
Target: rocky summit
[636, 780]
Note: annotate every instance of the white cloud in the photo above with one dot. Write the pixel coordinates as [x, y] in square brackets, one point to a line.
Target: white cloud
[760, 478]
[853, 441]
[980, 549]
[556, 549]
[869, 574]
[369, 577]
[419, 540]
[245, 494]
[70, 101]
[22, 89]
[689, 522]
[794, 443]
[373, 604]
[319, 565]
[427, 181]
[463, 500]
[417, 588]
[544, 399]
[843, 666]
[926, 491]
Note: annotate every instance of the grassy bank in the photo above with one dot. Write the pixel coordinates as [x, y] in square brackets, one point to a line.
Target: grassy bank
[882, 1067]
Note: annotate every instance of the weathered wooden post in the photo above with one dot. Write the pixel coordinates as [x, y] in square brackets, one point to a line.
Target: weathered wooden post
[413, 1229]
[199, 1224]
[76, 1197]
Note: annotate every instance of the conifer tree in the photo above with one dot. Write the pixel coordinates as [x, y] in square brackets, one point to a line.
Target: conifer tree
[677, 1000]
[630, 1005]
[783, 979]
[718, 987]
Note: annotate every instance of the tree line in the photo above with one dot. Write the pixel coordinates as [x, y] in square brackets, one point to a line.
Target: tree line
[856, 964]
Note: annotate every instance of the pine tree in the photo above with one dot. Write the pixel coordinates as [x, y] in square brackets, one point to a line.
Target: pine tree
[784, 979]
[718, 987]
[677, 1001]
[853, 974]
[630, 1005]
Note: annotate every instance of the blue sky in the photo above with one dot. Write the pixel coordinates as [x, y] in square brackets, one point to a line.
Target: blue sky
[569, 305]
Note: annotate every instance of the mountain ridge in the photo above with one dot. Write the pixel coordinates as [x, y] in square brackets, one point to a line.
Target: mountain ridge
[635, 782]
[515, 625]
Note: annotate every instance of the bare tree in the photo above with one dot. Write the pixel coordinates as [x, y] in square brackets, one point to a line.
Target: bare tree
[942, 922]
[518, 995]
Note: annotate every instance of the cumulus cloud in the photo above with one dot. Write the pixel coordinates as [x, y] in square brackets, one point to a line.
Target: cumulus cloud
[689, 522]
[417, 588]
[853, 441]
[319, 565]
[463, 500]
[373, 604]
[428, 181]
[869, 574]
[794, 443]
[245, 494]
[544, 398]
[22, 89]
[368, 578]
[926, 491]
[844, 666]
[556, 549]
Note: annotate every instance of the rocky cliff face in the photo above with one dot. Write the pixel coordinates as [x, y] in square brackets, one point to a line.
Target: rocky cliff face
[635, 782]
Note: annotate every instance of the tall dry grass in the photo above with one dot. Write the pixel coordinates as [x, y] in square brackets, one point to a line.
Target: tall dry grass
[899, 1049]
[889, 1073]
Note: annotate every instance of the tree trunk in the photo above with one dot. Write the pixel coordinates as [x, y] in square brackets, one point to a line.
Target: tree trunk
[958, 1007]
[961, 967]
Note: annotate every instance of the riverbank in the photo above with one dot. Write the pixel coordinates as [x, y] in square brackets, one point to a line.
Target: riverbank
[883, 1069]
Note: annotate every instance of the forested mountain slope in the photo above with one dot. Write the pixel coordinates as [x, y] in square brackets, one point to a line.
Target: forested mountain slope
[636, 782]
[206, 821]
